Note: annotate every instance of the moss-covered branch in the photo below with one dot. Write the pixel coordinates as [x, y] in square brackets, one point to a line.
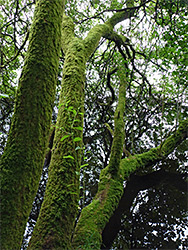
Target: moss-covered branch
[154, 155]
[64, 168]
[106, 29]
[22, 161]
[67, 32]
[89, 235]
[123, 15]
[95, 216]
[119, 130]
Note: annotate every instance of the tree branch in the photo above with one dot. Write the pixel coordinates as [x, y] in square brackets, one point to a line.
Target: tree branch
[104, 30]
[134, 186]
[154, 155]
[110, 190]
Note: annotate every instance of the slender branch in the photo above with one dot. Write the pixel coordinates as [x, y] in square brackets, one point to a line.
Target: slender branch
[17, 53]
[119, 134]
[104, 30]
[154, 155]
[124, 10]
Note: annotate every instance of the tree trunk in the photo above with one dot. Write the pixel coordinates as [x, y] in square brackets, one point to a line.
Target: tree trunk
[22, 161]
[55, 224]
[57, 216]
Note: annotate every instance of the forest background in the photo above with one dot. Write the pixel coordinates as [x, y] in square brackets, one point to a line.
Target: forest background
[118, 162]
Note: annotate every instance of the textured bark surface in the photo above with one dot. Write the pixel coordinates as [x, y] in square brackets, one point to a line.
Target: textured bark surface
[88, 233]
[54, 229]
[59, 209]
[22, 161]
[21, 164]
[95, 216]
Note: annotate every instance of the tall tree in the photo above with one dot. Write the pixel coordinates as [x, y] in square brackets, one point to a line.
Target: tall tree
[142, 113]
[21, 163]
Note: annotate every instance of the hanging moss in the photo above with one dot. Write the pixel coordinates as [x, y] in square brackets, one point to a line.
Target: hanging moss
[22, 161]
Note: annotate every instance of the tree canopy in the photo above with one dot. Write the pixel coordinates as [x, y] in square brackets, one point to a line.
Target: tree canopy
[97, 123]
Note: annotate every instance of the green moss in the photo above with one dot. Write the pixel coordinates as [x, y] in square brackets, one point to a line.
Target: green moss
[67, 32]
[98, 213]
[22, 161]
[95, 216]
[175, 139]
[110, 188]
[95, 34]
[119, 132]
[130, 164]
[60, 206]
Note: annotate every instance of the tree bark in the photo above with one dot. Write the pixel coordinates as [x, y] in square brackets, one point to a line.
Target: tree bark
[55, 224]
[88, 233]
[22, 161]
[95, 216]
[134, 185]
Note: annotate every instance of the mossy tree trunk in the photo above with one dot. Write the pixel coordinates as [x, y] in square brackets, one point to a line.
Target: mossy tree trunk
[22, 161]
[55, 224]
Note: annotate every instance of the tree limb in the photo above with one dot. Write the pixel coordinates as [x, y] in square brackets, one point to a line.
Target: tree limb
[154, 155]
[133, 187]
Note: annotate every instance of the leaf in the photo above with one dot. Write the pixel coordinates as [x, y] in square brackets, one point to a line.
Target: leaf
[70, 108]
[77, 148]
[60, 105]
[67, 102]
[78, 128]
[64, 137]
[3, 96]
[68, 157]
[74, 111]
[73, 193]
[77, 139]
[84, 165]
